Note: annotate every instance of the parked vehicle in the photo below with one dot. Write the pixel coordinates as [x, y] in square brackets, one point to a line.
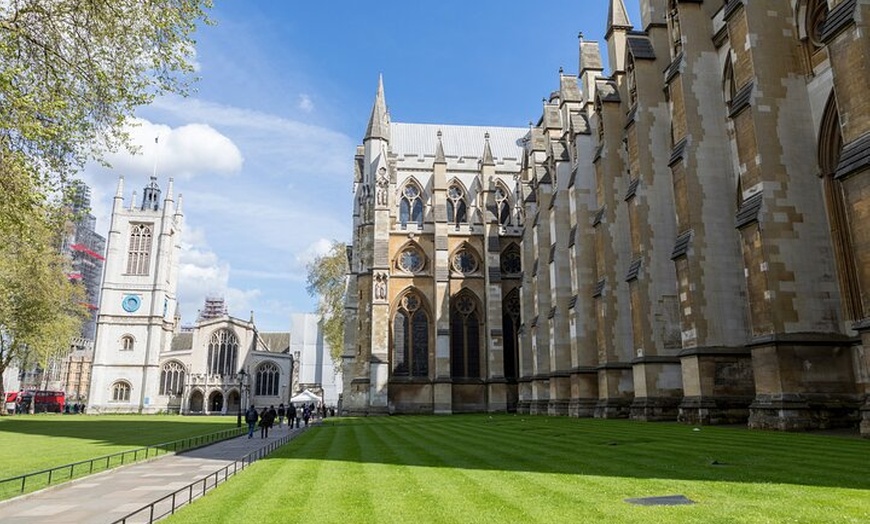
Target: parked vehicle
[43, 401]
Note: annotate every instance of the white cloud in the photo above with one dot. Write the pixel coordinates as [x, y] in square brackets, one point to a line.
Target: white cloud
[182, 152]
[305, 103]
[293, 146]
[202, 274]
[318, 248]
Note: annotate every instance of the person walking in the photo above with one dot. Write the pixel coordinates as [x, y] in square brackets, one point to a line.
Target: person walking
[306, 414]
[264, 424]
[251, 418]
[291, 416]
[281, 415]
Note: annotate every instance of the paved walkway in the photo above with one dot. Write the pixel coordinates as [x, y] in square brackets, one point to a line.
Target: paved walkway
[111, 495]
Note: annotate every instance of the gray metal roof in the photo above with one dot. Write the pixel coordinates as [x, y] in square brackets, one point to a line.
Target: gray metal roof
[458, 140]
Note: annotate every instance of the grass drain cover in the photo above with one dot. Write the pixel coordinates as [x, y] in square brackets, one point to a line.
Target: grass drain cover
[670, 500]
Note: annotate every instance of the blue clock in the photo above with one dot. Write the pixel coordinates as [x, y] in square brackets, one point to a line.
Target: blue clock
[131, 303]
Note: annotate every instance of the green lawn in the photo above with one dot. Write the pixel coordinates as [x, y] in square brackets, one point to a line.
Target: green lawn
[543, 469]
[30, 443]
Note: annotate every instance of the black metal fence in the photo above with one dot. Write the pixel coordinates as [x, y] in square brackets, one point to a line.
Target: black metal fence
[40, 479]
[167, 505]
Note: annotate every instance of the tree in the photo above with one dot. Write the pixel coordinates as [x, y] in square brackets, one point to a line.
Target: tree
[40, 309]
[72, 74]
[327, 278]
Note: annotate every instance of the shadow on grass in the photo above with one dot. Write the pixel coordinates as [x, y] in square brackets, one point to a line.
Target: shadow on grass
[113, 430]
[608, 448]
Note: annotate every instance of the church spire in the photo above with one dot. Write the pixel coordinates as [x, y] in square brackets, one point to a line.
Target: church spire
[379, 122]
[617, 17]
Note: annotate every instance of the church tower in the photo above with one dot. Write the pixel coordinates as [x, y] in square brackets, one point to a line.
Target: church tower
[138, 301]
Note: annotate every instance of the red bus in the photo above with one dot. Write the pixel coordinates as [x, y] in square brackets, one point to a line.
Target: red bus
[43, 401]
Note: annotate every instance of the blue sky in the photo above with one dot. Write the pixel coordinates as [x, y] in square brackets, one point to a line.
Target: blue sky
[263, 149]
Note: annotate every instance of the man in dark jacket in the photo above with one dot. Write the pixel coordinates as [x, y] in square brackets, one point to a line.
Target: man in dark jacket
[251, 418]
[291, 416]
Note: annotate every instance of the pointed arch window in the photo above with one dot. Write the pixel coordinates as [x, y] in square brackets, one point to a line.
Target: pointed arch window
[411, 206]
[411, 338]
[503, 206]
[457, 207]
[266, 381]
[121, 391]
[464, 261]
[127, 343]
[511, 261]
[729, 88]
[223, 352]
[172, 379]
[830, 149]
[464, 336]
[510, 327]
[139, 251]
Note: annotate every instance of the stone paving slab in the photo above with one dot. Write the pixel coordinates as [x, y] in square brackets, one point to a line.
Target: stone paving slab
[110, 495]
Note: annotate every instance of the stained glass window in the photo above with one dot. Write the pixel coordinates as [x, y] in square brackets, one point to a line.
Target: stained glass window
[410, 338]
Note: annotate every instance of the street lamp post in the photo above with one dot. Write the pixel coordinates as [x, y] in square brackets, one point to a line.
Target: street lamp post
[241, 386]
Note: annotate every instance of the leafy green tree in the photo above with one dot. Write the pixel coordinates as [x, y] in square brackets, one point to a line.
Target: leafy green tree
[72, 73]
[40, 309]
[327, 279]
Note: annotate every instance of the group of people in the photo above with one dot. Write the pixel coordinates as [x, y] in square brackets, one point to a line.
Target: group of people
[267, 417]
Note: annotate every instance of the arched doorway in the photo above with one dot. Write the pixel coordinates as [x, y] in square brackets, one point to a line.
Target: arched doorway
[233, 403]
[196, 402]
[215, 402]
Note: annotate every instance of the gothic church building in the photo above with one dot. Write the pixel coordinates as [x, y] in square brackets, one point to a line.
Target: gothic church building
[143, 361]
[683, 238]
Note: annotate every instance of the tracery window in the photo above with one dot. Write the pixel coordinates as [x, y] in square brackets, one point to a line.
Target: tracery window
[139, 251]
[127, 343]
[411, 260]
[503, 206]
[511, 261]
[411, 206]
[411, 338]
[464, 336]
[266, 381]
[121, 391]
[223, 350]
[457, 207]
[464, 261]
[172, 379]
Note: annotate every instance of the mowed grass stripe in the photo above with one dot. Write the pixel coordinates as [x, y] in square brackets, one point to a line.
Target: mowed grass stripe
[476, 495]
[503, 469]
[709, 459]
[515, 486]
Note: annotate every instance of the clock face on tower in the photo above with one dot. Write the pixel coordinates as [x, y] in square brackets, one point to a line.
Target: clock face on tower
[131, 303]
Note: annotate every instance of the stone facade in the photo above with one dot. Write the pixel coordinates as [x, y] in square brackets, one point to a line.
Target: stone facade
[432, 302]
[693, 230]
